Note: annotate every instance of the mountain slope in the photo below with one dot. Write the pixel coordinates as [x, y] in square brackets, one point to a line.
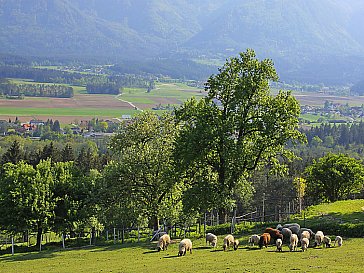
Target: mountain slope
[298, 34]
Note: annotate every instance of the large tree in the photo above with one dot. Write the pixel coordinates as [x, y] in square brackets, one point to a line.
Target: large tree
[142, 174]
[238, 127]
[334, 177]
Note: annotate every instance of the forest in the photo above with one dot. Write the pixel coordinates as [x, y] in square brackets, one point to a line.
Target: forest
[173, 168]
[11, 90]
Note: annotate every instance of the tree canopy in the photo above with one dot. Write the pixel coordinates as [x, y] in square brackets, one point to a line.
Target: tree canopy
[334, 177]
[237, 128]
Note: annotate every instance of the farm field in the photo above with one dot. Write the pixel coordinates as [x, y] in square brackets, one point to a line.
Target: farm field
[144, 258]
[165, 95]
[86, 106]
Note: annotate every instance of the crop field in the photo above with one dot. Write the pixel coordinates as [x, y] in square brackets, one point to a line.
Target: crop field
[144, 258]
[86, 106]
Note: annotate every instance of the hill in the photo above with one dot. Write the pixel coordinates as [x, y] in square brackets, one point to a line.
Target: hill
[304, 37]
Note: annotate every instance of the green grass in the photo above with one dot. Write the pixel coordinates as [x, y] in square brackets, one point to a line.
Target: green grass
[89, 112]
[348, 210]
[144, 258]
[177, 91]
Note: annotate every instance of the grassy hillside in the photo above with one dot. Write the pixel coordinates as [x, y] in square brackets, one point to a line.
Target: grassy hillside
[345, 211]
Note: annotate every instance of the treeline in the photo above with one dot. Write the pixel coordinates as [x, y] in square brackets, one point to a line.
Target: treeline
[332, 135]
[35, 90]
[96, 83]
[176, 69]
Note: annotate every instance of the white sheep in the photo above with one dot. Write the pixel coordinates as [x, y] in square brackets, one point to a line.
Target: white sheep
[279, 244]
[236, 244]
[339, 241]
[293, 242]
[305, 234]
[327, 241]
[184, 246]
[304, 243]
[254, 240]
[228, 241]
[319, 237]
[163, 242]
[212, 239]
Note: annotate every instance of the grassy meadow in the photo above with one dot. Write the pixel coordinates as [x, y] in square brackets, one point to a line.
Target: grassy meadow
[144, 258]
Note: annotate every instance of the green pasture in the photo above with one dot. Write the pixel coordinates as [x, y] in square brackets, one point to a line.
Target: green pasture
[178, 91]
[348, 210]
[87, 112]
[144, 258]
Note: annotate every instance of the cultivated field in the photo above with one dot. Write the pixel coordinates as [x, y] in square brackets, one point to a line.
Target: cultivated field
[144, 258]
[85, 106]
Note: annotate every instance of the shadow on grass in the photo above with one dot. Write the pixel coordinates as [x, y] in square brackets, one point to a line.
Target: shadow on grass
[171, 257]
[27, 256]
[151, 251]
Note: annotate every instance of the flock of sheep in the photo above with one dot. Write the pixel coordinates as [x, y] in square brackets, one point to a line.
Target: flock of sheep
[293, 234]
[290, 233]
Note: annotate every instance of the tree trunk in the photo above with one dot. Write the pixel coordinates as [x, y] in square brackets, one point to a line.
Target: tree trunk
[154, 222]
[39, 234]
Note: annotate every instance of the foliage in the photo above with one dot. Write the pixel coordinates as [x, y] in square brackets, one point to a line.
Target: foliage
[142, 171]
[237, 128]
[333, 177]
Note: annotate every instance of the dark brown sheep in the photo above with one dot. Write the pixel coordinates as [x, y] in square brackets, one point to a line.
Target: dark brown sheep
[274, 234]
[264, 240]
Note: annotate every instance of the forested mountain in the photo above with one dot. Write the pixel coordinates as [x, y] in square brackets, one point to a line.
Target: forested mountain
[303, 36]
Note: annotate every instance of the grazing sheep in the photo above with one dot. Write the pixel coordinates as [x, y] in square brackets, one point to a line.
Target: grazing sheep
[304, 243]
[274, 234]
[279, 243]
[286, 232]
[339, 241]
[327, 241]
[319, 237]
[293, 242]
[254, 240]
[228, 241]
[290, 225]
[184, 246]
[305, 234]
[212, 239]
[312, 235]
[236, 244]
[264, 240]
[163, 242]
[295, 229]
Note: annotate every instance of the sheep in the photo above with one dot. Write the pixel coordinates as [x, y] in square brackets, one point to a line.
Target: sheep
[339, 241]
[304, 243]
[295, 229]
[305, 234]
[274, 234]
[279, 243]
[212, 239]
[290, 225]
[163, 242]
[312, 234]
[228, 241]
[236, 244]
[264, 240]
[293, 242]
[254, 240]
[319, 237]
[327, 241]
[184, 246]
[286, 232]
